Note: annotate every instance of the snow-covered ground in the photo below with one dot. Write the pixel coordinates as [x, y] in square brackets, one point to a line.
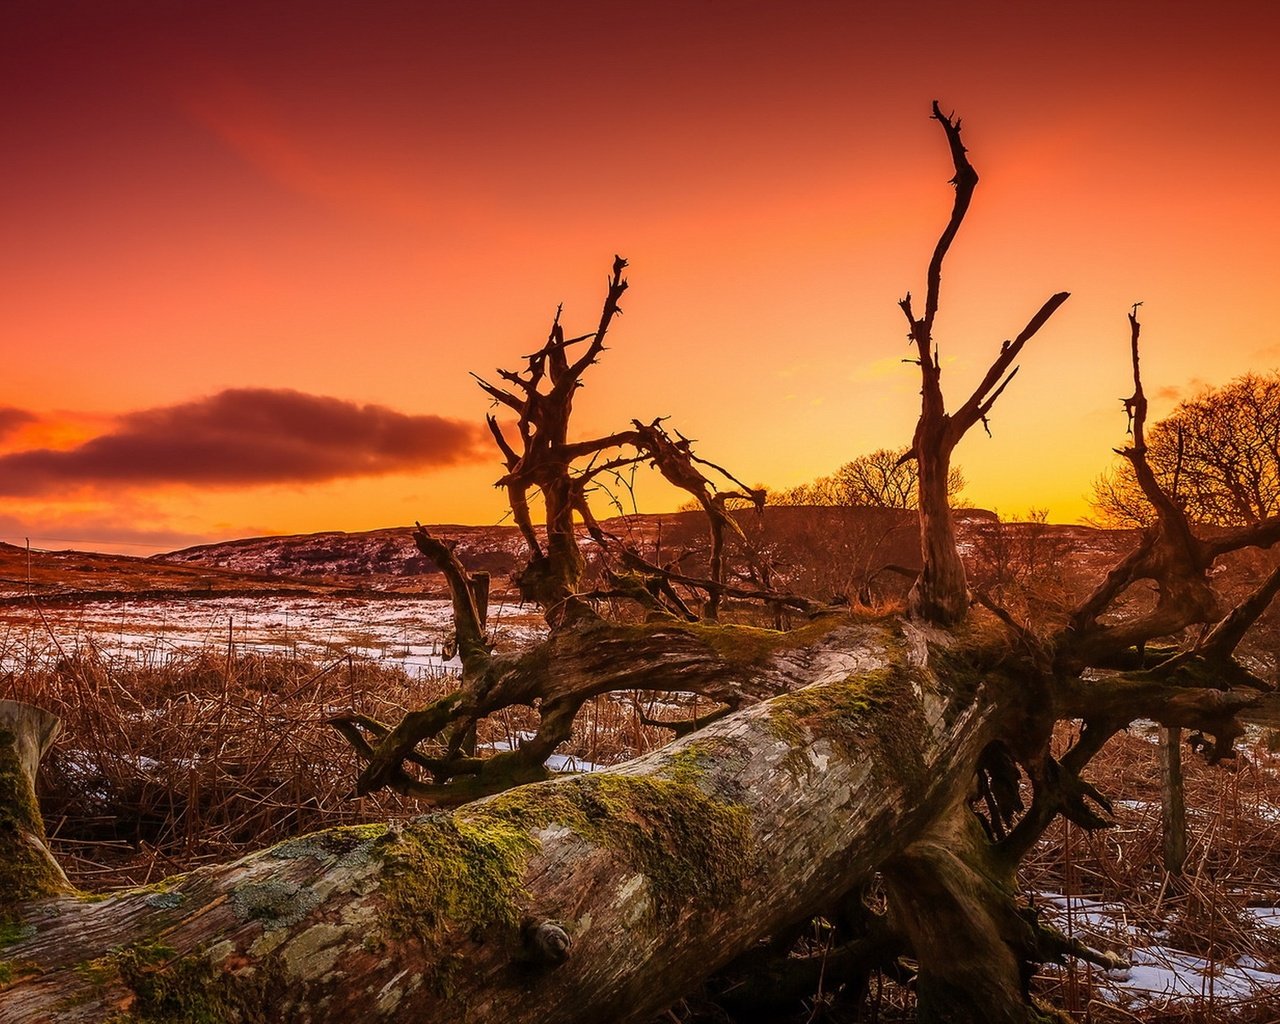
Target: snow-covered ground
[409, 632]
[556, 762]
[1157, 974]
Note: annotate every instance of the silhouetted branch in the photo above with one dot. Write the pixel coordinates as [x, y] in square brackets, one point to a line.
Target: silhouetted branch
[983, 398]
[617, 285]
[470, 599]
[1170, 555]
[1256, 535]
[635, 560]
[1220, 643]
[965, 181]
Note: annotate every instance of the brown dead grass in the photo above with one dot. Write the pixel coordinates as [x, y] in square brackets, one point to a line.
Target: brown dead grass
[189, 757]
[1233, 863]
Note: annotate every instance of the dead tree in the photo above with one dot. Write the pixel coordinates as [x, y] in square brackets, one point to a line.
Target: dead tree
[940, 594]
[544, 461]
[847, 746]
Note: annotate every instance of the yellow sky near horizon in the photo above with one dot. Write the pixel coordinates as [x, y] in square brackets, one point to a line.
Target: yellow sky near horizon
[216, 207]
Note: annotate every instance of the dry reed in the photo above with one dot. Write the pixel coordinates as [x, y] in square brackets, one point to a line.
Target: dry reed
[181, 757]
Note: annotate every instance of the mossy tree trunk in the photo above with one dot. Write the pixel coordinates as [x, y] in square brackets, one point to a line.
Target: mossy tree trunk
[655, 875]
[606, 897]
[27, 869]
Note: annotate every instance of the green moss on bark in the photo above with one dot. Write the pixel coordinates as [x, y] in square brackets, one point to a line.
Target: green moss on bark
[333, 845]
[449, 871]
[690, 845]
[156, 985]
[13, 971]
[840, 712]
[739, 646]
[464, 872]
[751, 645]
[26, 870]
[691, 763]
[11, 931]
[174, 990]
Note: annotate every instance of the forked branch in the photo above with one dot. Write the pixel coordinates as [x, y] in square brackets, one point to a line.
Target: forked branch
[940, 594]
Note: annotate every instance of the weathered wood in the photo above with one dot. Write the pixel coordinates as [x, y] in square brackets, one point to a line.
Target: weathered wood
[940, 593]
[27, 869]
[658, 872]
[33, 730]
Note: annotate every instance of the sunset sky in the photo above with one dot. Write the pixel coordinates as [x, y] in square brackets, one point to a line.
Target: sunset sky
[252, 250]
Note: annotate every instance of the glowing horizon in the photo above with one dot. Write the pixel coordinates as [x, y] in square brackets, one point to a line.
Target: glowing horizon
[356, 208]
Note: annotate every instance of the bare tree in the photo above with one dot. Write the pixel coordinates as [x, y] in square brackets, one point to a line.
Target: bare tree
[885, 478]
[940, 594]
[851, 745]
[1218, 455]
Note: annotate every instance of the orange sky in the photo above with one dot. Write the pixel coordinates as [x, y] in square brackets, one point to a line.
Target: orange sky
[308, 220]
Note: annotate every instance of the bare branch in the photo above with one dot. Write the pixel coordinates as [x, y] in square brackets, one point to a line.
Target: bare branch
[1225, 637]
[1173, 519]
[965, 181]
[580, 449]
[473, 642]
[978, 405]
[635, 560]
[1171, 555]
[617, 285]
[1256, 535]
[498, 395]
[509, 455]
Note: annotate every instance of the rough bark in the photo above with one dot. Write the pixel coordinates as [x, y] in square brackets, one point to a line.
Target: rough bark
[658, 873]
[940, 594]
[27, 869]
[954, 899]
[1173, 805]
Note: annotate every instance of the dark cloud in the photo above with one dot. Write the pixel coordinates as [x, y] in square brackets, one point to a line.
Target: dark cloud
[246, 436]
[11, 419]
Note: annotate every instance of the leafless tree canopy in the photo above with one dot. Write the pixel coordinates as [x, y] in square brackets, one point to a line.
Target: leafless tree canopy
[1218, 455]
[885, 478]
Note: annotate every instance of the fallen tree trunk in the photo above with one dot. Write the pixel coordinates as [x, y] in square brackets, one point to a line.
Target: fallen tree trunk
[588, 898]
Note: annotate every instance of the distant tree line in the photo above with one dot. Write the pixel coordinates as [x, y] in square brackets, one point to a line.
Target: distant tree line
[885, 478]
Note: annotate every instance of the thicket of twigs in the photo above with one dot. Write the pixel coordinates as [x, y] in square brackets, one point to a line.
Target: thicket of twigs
[1233, 865]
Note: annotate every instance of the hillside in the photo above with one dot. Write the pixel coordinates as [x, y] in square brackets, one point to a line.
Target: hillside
[820, 551]
[55, 576]
[817, 550]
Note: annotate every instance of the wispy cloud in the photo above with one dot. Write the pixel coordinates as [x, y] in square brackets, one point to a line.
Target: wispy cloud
[245, 119]
[11, 419]
[884, 368]
[1173, 393]
[244, 437]
[95, 532]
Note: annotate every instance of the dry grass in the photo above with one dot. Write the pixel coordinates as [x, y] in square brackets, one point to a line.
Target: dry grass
[1233, 865]
[188, 756]
[194, 756]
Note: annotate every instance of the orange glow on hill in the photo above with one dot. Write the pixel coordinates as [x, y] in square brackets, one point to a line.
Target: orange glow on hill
[359, 206]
